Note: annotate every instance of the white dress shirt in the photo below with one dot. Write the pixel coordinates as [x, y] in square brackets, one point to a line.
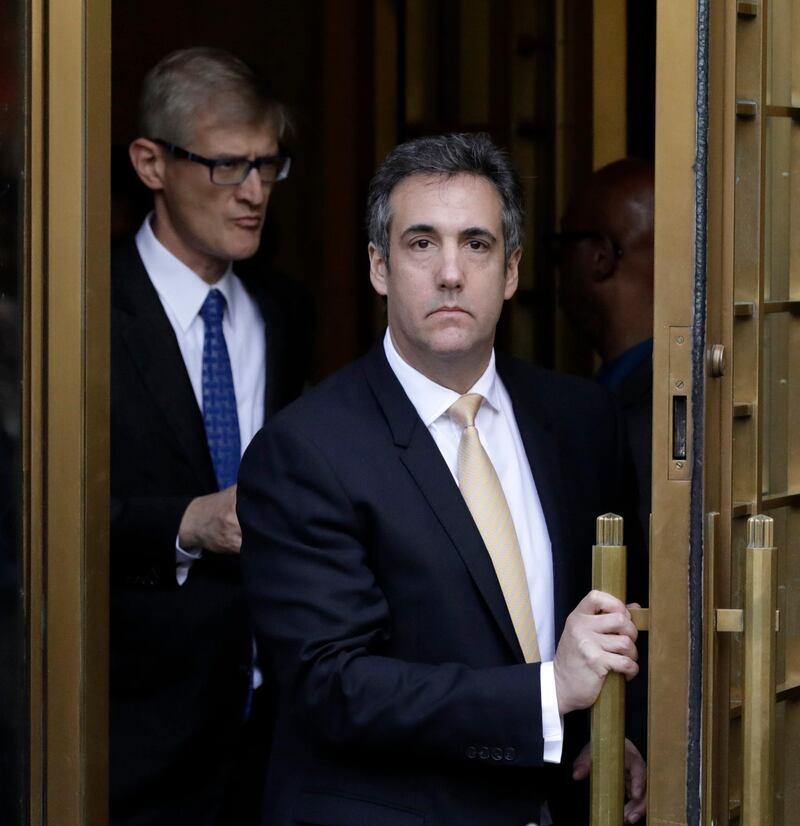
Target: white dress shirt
[499, 435]
[182, 293]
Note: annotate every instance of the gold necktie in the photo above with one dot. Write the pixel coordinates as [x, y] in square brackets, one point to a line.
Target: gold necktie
[484, 496]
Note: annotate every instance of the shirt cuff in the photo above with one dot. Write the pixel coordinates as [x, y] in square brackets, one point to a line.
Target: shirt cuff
[184, 559]
[552, 721]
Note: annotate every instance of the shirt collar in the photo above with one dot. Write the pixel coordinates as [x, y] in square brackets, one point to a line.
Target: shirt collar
[181, 289]
[431, 400]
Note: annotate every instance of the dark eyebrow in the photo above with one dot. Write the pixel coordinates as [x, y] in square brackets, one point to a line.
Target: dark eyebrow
[224, 158]
[469, 232]
[417, 228]
[478, 232]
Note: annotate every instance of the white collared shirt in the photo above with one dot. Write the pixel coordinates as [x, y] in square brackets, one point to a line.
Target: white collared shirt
[500, 437]
[182, 293]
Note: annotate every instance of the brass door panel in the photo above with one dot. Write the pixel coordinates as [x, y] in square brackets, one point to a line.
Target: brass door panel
[726, 289]
[751, 388]
[65, 410]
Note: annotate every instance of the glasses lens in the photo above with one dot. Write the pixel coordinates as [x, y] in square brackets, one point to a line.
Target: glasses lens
[233, 172]
[274, 169]
[230, 172]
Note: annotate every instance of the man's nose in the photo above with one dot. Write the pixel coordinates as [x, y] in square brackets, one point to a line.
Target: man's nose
[451, 272]
[251, 189]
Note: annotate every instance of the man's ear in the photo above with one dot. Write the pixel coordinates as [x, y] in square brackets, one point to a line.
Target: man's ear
[378, 270]
[604, 259]
[148, 161]
[512, 273]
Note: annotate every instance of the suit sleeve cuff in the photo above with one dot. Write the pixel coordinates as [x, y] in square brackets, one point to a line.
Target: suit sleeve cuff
[552, 722]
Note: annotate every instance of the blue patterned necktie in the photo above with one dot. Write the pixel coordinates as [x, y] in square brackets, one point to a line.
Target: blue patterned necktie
[219, 399]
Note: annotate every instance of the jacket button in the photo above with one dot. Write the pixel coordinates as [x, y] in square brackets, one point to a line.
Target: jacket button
[472, 752]
[483, 752]
[497, 754]
[511, 754]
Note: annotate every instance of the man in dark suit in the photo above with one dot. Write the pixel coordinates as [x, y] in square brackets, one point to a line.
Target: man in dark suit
[606, 291]
[198, 362]
[418, 529]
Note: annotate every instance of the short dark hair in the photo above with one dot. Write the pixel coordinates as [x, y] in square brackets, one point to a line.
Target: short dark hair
[189, 80]
[448, 155]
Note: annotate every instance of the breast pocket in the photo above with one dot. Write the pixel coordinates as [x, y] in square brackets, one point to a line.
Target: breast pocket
[327, 809]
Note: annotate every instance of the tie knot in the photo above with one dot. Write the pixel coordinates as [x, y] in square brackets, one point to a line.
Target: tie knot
[464, 409]
[213, 307]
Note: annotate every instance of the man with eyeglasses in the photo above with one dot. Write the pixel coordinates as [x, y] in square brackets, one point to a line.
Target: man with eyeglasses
[199, 361]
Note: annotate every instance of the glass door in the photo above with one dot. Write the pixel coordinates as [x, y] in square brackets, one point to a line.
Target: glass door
[753, 707]
[725, 559]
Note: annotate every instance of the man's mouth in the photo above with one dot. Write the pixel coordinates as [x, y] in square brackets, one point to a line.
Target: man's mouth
[449, 308]
[248, 221]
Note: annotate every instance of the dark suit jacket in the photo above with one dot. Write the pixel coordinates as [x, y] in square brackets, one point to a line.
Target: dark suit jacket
[635, 395]
[180, 656]
[404, 695]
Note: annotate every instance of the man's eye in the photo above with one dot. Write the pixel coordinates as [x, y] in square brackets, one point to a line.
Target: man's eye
[478, 246]
[228, 165]
[421, 243]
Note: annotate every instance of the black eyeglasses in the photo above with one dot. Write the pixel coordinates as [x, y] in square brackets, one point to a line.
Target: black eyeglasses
[233, 171]
[560, 240]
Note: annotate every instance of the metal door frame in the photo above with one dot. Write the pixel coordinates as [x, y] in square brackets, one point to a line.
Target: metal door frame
[65, 409]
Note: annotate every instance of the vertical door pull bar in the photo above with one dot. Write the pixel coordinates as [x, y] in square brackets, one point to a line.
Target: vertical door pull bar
[608, 712]
[758, 706]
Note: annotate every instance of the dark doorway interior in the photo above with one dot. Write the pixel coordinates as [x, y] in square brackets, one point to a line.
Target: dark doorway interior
[362, 75]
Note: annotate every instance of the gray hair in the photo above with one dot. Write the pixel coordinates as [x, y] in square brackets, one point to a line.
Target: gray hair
[448, 155]
[190, 80]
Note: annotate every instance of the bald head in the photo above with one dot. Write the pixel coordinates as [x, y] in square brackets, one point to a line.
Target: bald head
[606, 260]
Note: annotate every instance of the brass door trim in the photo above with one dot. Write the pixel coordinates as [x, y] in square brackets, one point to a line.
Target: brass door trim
[792, 306]
[675, 192]
[769, 502]
[609, 116]
[65, 392]
[785, 692]
[782, 111]
[33, 412]
[744, 9]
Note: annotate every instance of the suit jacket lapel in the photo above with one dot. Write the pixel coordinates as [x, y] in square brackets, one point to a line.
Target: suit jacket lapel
[541, 447]
[272, 342]
[148, 334]
[424, 462]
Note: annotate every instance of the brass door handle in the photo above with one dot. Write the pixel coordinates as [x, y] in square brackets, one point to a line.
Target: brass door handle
[608, 712]
[758, 701]
[641, 618]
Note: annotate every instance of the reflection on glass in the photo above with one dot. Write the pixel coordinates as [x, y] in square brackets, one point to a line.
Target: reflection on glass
[13, 731]
[783, 62]
[787, 663]
[778, 204]
[779, 405]
[787, 541]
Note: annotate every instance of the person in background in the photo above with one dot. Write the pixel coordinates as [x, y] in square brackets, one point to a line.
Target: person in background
[606, 292]
[199, 361]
